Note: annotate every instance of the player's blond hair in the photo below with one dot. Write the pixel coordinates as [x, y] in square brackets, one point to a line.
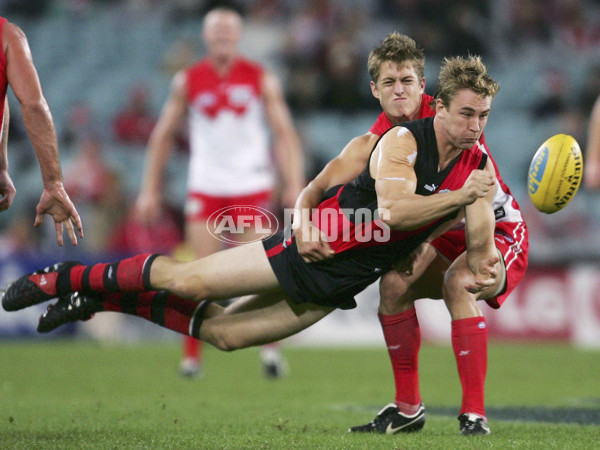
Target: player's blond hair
[464, 73]
[397, 48]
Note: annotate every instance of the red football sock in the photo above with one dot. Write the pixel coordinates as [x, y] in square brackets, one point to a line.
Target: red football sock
[469, 341]
[403, 339]
[168, 311]
[127, 275]
[192, 348]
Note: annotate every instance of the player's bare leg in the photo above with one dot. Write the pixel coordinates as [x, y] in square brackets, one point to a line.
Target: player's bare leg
[274, 364]
[253, 320]
[201, 244]
[462, 304]
[249, 321]
[257, 320]
[399, 289]
[237, 271]
[234, 272]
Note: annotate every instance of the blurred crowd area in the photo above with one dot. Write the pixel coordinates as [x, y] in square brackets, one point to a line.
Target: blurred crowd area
[106, 67]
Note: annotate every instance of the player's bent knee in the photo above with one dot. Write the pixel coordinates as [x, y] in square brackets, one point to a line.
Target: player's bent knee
[224, 340]
[190, 286]
[224, 345]
[220, 344]
[455, 280]
[392, 292]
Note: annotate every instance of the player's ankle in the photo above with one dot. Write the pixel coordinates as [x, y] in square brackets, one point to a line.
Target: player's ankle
[407, 408]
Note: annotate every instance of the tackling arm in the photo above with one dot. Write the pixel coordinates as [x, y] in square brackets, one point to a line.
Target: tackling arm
[342, 169]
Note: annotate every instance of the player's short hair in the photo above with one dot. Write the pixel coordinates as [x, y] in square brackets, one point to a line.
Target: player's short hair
[224, 5]
[459, 72]
[397, 48]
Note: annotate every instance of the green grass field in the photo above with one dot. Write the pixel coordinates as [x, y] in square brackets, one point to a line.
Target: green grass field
[77, 394]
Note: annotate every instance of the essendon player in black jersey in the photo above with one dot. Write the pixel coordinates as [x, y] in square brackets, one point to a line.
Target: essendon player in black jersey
[358, 229]
[419, 178]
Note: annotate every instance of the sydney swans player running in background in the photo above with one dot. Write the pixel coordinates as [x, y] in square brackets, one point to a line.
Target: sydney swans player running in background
[397, 73]
[233, 106]
[293, 293]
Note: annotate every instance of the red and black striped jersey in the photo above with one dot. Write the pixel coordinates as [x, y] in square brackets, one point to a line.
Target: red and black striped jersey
[348, 213]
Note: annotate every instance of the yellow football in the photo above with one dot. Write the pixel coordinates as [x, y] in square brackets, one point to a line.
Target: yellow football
[555, 173]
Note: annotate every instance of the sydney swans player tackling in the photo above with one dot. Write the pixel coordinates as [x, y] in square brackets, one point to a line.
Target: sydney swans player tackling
[397, 69]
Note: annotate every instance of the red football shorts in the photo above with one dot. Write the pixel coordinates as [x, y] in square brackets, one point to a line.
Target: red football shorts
[511, 239]
[200, 206]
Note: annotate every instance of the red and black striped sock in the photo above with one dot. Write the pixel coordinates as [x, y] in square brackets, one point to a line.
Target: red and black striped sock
[164, 309]
[128, 275]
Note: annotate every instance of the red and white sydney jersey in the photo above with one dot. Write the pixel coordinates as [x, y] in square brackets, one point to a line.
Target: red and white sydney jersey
[229, 139]
[383, 123]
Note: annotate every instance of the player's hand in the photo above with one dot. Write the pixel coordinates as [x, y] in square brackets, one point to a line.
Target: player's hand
[485, 275]
[477, 185]
[7, 190]
[311, 242]
[56, 203]
[147, 208]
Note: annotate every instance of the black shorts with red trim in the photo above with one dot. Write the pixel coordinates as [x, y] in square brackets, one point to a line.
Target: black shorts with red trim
[332, 283]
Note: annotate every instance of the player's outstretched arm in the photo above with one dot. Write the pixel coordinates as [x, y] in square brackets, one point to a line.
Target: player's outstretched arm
[7, 188]
[482, 255]
[24, 81]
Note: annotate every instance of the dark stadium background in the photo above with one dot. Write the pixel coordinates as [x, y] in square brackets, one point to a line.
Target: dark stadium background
[94, 56]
